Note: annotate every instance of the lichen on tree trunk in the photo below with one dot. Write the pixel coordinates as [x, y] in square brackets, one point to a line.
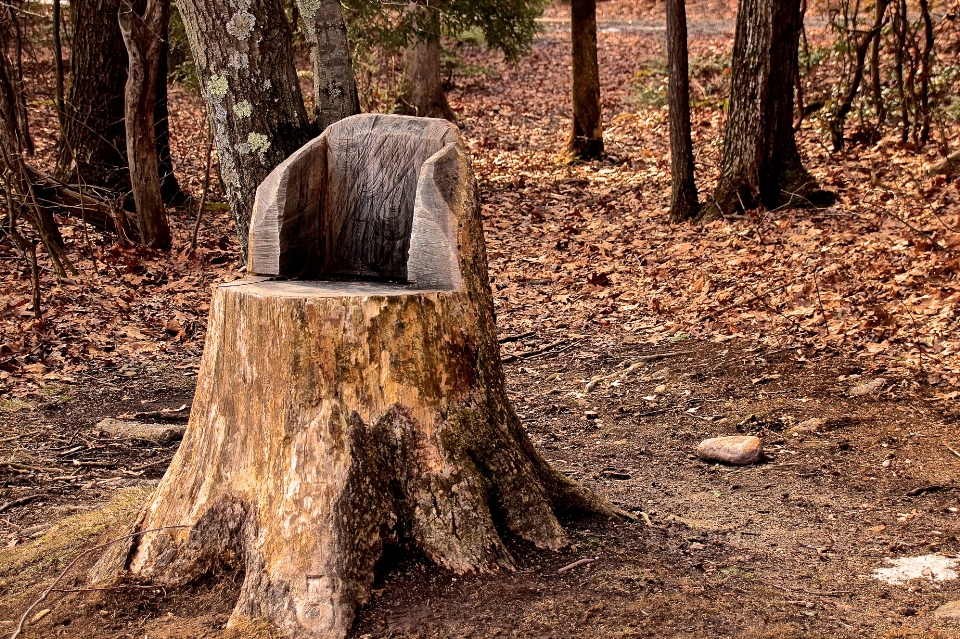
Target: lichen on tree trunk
[243, 52]
[333, 418]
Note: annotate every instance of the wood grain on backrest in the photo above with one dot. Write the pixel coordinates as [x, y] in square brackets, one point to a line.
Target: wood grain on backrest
[373, 168]
[371, 198]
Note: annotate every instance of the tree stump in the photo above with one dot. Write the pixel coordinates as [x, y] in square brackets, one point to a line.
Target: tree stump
[360, 406]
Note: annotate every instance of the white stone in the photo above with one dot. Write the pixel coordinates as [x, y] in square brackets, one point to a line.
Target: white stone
[737, 449]
[930, 567]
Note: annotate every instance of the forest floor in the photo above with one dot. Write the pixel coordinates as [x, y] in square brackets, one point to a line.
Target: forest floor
[766, 321]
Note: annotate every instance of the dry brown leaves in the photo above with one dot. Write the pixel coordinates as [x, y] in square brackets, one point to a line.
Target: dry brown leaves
[570, 248]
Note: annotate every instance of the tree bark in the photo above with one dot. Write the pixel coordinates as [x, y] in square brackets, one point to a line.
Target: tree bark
[93, 141]
[334, 86]
[20, 194]
[333, 418]
[836, 126]
[586, 135]
[421, 90]
[875, 83]
[683, 198]
[244, 56]
[93, 147]
[761, 164]
[169, 185]
[141, 35]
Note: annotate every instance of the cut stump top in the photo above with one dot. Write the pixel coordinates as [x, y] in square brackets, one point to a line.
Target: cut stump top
[375, 197]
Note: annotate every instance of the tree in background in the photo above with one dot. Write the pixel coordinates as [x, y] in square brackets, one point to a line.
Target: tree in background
[334, 85]
[145, 49]
[243, 52]
[761, 165]
[93, 139]
[421, 88]
[586, 135]
[506, 25]
[683, 198]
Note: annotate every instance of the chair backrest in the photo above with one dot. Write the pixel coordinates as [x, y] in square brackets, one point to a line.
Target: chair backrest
[344, 205]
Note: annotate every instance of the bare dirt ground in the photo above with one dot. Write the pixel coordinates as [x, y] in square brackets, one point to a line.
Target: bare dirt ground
[766, 322]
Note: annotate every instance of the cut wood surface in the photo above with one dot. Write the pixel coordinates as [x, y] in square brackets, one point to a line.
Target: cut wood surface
[334, 418]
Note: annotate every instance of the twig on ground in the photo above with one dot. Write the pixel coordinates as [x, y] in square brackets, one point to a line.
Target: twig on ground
[950, 448]
[52, 587]
[23, 501]
[579, 562]
[28, 468]
[516, 338]
[151, 464]
[539, 351]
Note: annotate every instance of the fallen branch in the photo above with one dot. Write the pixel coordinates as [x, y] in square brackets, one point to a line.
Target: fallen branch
[539, 351]
[515, 338]
[948, 447]
[72, 201]
[23, 501]
[46, 593]
[579, 562]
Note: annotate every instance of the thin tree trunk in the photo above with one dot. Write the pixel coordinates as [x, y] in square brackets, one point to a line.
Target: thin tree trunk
[421, 91]
[900, 35]
[142, 36]
[836, 126]
[876, 85]
[924, 97]
[244, 56]
[761, 164]
[23, 120]
[586, 135]
[58, 61]
[683, 200]
[334, 86]
[169, 186]
[93, 140]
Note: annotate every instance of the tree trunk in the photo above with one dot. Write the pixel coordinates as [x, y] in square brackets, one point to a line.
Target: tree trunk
[761, 164]
[683, 199]
[421, 90]
[334, 86]
[875, 83]
[860, 56]
[586, 135]
[21, 197]
[332, 418]
[244, 56]
[923, 108]
[169, 185]
[144, 45]
[93, 141]
[93, 147]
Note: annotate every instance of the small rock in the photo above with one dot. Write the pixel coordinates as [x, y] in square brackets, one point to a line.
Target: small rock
[591, 415]
[872, 387]
[157, 433]
[813, 424]
[738, 449]
[949, 611]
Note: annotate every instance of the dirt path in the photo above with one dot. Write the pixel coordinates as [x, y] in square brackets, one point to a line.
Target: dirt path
[786, 548]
